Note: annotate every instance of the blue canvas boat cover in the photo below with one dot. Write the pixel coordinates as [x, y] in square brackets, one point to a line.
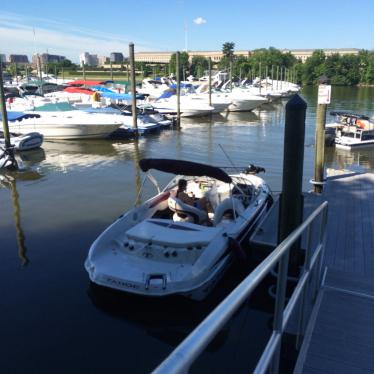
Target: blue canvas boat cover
[106, 92]
[16, 116]
[166, 95]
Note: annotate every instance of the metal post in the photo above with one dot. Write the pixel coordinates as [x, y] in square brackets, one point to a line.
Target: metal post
[84, 70]
[277, 77]
[15, 65]
[40, 76]
[3, 109]
[305, 293]
[280, 300]
[266, 77]
[230, 77]
[319, 158]
[111, 71]
[259, 74]
[133, 89]
[177, 60]
[291, 202]
[56, 73]
[281, 78]
[63, 75]
[272, 77]
[127, 70]
[210, 80]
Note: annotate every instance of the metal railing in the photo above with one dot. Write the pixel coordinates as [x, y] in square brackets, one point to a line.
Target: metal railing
[180, 360]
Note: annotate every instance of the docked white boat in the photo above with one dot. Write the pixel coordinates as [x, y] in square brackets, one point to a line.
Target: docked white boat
[190, 105]
[354, 137]
[67, 125]
[167, 247]
[352, 130]
[24, 142]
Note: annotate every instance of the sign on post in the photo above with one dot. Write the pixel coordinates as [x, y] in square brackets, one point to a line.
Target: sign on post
[324, 94]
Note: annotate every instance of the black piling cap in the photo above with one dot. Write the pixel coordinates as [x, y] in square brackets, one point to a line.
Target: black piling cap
[296, 103]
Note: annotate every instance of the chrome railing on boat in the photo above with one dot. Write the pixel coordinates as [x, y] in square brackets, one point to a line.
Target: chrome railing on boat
[183, 356]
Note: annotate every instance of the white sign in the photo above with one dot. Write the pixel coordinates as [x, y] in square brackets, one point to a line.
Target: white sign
[324, 94]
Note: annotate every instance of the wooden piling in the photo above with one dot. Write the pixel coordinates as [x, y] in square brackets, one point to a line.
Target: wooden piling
[133, 89]
[319, 158]
[3, 110]
[210, 80]
[177, 68]
[291, 203]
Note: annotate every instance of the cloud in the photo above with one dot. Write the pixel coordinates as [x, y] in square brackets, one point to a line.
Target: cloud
[199, 21]
[17, 36]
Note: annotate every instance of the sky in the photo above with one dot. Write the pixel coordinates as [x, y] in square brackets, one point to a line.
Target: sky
[100, 27]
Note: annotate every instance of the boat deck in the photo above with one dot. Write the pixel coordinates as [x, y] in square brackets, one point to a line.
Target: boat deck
[340, 333]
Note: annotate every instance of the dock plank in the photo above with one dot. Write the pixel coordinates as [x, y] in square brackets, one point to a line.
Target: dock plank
[340, 334]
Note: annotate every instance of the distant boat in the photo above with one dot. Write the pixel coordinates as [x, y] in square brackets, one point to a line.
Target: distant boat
[67, 125]
[353, 130]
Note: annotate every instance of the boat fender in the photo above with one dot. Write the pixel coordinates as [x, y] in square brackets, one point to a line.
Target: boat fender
[235, 247]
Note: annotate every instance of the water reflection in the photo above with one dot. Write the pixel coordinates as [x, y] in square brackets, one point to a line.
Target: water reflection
[9, 181]
[138, 181]
[358, 160]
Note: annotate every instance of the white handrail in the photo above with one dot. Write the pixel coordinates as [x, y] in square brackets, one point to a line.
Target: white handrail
[193, 345]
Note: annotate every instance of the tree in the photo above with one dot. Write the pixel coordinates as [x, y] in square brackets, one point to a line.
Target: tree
[184, 64]
[228, 49]
[314, 67]
[198, 65]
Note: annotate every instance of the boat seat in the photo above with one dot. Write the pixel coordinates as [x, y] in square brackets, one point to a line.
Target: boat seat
[225, 207]
[186, 213]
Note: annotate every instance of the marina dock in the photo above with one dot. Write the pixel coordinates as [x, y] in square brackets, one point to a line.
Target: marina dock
[340, 334]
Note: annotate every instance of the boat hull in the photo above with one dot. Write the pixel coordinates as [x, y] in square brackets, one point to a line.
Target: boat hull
[159, 257]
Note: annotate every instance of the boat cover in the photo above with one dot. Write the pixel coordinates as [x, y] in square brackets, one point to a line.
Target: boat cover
[82, 82]
[105, 92]
[184, 168]
[349, 114]
[79, 90]
[16, 116]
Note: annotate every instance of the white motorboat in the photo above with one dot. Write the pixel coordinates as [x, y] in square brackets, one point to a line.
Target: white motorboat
[67, 125]
[26, 142]
[353, 137]
[352, 130]
[166, 247]
[190, 105]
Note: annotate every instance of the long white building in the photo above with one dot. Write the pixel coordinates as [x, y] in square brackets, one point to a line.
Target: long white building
[216, 56]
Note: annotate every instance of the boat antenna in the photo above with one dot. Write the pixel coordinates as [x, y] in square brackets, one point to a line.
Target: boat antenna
[227, 156]
[231, 196]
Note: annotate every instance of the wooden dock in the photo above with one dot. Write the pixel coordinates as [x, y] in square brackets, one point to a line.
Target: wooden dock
[340, 333]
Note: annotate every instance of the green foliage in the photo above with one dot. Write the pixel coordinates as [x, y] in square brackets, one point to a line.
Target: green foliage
[198, 66]
[184, 65]
[228, 49]
[56, 67]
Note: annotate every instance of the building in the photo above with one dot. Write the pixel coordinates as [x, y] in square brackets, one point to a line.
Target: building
[46, 58]
[2, 58]
[164, 57]
[304, 54]
[216, 56]
[18, 59]
[102, 60]
[116, 57]
[88, 59]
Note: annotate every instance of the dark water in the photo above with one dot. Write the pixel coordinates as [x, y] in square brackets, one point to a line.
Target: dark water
[52, 320]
